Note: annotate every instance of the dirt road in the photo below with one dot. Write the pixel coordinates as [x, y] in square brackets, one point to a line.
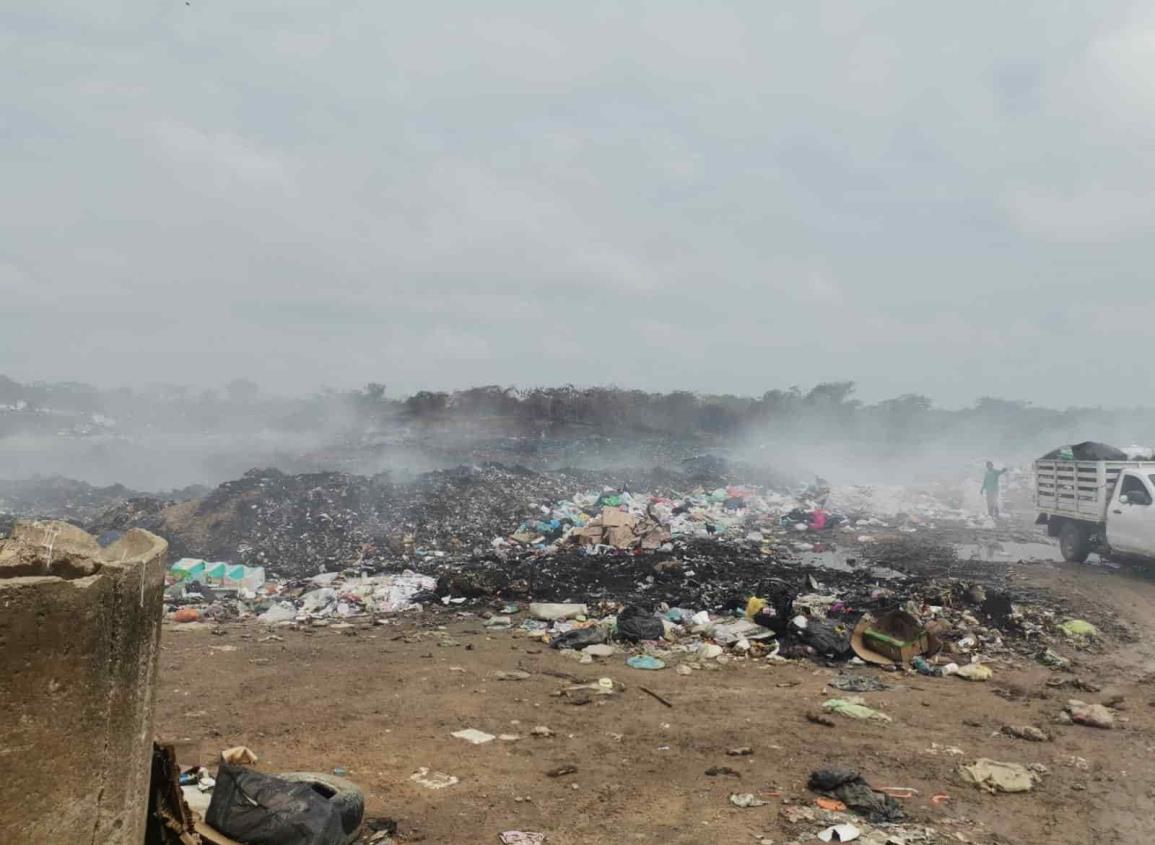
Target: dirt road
[383, 702]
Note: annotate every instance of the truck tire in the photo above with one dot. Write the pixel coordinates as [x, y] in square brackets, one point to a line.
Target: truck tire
[345, 795]
[1074, 542]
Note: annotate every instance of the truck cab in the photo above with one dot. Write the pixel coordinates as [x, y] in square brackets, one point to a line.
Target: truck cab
[1131, 514]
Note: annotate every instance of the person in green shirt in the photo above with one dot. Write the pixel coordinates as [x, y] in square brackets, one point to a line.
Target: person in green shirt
[990, 488]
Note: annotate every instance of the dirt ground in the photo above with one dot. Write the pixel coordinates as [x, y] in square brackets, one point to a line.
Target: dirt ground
[383, 701]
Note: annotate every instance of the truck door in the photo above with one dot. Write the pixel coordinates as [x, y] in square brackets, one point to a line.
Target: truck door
[1131, 516]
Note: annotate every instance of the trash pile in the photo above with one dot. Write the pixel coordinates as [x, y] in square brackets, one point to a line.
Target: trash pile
[221, 592]
[611, 519]
[298, 525]
[938, 626]
[731, 569]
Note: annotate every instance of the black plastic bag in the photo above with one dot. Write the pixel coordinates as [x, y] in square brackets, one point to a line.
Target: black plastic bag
[635, 623]
[580, 637]
[261, 809]
[848, 787]
[827, 638]
[1089, 450]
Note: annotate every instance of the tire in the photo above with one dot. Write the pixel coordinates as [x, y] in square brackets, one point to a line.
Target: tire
[1074, 542]
[345, 794]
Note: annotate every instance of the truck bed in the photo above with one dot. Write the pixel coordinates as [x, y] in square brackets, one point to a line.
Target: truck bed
[1079, 489]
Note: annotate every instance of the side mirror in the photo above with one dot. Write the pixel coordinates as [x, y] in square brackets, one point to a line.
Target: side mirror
[1125, 499]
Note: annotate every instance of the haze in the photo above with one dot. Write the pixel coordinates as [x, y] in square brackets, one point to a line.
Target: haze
[948, 200]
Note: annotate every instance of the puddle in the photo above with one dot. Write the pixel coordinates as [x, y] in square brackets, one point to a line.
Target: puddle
[1008, 552]
[841, 560]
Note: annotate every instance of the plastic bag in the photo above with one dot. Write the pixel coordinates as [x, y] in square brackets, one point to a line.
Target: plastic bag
[261, 809]
[635, 623]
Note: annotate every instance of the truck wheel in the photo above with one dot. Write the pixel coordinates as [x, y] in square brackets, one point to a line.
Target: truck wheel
[1074, 542]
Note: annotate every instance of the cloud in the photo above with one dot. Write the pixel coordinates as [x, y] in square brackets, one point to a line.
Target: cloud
[1095, 214]
[662, 194]
[221, 157]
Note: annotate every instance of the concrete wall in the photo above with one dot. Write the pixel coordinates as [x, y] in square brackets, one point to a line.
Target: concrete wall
[79, 640]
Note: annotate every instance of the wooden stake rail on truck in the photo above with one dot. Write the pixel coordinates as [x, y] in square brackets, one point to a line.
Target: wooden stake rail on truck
[1103, 506]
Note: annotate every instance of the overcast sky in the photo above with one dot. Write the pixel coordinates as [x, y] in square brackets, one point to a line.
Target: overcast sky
[953, 199]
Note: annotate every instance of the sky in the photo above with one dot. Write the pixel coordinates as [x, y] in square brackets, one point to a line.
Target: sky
[948, 199]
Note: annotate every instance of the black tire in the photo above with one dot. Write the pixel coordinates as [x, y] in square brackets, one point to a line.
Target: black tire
[345, 794]
[1074, 542]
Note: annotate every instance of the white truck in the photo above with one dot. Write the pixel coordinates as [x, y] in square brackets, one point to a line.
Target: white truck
[1103, 506]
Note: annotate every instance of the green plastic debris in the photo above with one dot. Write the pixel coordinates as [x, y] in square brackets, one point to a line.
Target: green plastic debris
[855, 709]
[1078, 629]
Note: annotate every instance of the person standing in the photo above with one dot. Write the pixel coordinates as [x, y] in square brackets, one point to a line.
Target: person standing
[990, 488]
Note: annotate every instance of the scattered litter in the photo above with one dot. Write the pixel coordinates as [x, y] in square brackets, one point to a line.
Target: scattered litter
[1079, 630]
[517, 675]
[832, 805]
[1049, 657]
[740, 751]
[840, 833]
[974, 672]
[635, 624]
[433, 780]
[857, 683]
[849, 787]
[746, 800]
[797, 814]
[562, 771]
[902, 792]
[521, 837]
[854, 709]
[1091, 715]
[1027, 732]
[716, 771]
[474, 736]
[994, 776]
[645, 661]
[555, 612]
[259, 807]
[579, 638]
[894, 637]
[600, 650]
[280, 612]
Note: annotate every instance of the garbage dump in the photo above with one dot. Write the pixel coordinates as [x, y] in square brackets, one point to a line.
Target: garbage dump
[665, 599]
[740, 568]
